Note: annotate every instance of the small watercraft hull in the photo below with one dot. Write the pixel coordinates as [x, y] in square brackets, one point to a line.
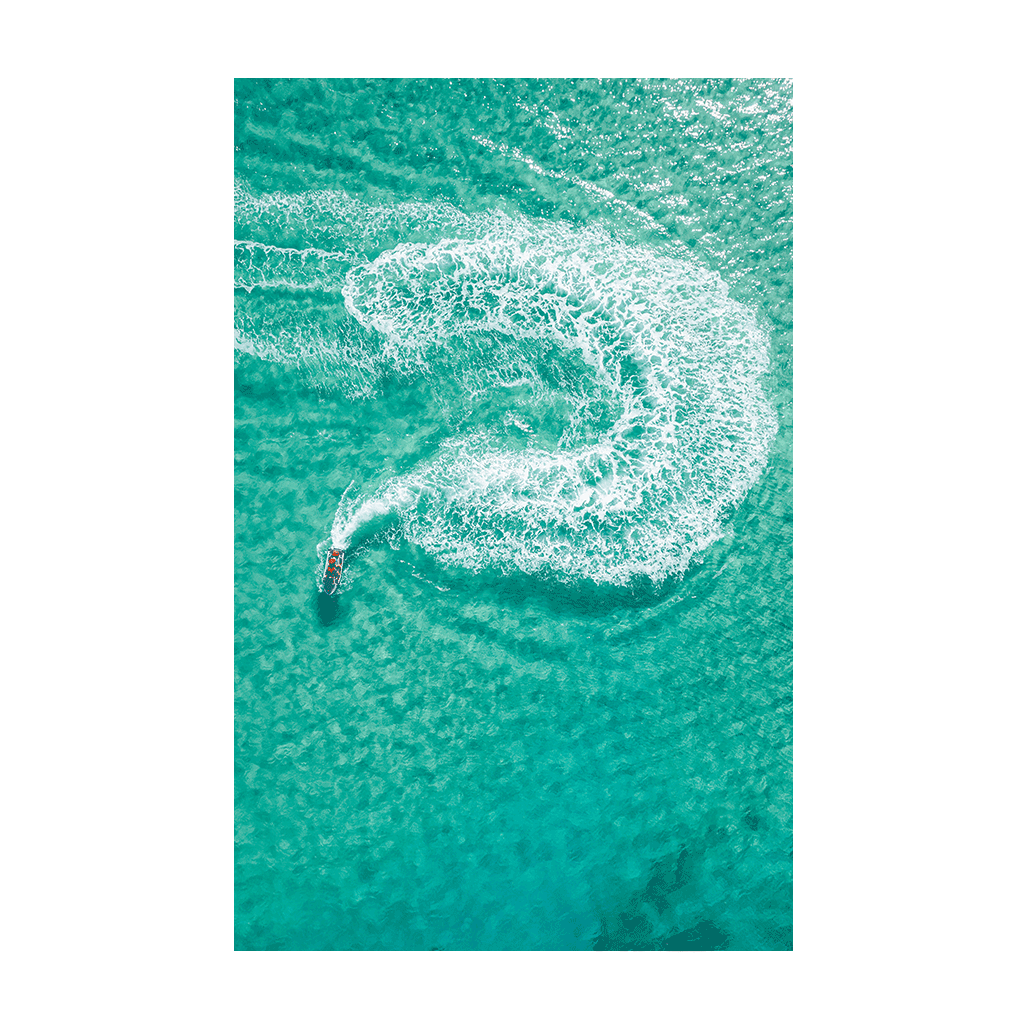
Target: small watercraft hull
[333, 573]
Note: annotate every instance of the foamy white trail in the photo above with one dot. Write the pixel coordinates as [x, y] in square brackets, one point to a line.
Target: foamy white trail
[634, 364]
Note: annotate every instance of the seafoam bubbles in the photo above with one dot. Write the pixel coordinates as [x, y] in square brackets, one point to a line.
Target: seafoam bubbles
[636, 377]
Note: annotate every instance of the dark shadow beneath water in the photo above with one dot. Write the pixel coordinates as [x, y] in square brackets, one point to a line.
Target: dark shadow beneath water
[631, 927]
[328, 608]
[704, 935]
[632, 933]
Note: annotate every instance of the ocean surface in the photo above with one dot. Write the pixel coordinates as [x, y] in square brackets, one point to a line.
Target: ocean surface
[523, 349]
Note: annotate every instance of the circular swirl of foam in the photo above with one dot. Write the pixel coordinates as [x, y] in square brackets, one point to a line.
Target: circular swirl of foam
[664, 426]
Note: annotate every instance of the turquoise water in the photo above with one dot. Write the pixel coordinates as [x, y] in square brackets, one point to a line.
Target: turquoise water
[523, 350]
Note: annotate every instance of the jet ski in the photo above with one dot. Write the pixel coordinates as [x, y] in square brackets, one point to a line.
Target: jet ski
[333, 572]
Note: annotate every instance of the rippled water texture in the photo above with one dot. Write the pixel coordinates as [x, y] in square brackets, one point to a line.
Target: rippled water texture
[523, 351]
